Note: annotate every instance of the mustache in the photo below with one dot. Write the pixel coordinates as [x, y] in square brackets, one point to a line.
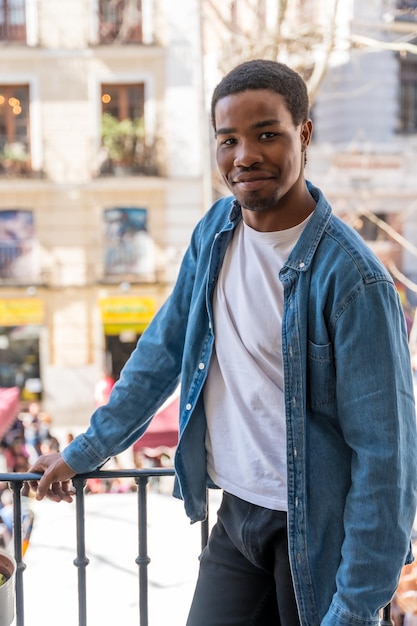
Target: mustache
[244, 170]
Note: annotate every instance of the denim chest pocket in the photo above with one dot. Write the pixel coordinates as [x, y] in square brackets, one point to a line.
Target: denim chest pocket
[321, 383]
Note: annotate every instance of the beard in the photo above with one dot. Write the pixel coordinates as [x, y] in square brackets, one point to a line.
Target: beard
[252, 201]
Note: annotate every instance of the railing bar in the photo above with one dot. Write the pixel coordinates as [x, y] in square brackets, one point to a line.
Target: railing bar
[141, 477]
[386, 616]
[16, 487]
[81, 561]
[143, 559]
[128, 473]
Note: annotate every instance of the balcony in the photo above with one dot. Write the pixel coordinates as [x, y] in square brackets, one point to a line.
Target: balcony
[88, 555]
[15, 159]
[125, 149]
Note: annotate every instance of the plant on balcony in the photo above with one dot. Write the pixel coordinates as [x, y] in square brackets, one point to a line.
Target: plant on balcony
[14, 158]
[125, 146]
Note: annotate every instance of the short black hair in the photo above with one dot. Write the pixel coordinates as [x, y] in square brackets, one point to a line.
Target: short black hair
[265, 74]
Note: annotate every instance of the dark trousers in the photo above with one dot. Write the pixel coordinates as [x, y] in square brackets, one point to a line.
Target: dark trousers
[245, 577]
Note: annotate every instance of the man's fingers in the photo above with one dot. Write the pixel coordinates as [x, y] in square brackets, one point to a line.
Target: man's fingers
[53, 489]
[55, 481]
[58, 491]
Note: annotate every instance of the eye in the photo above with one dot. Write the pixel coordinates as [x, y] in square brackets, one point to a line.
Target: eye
[268, 135]
[230, 141]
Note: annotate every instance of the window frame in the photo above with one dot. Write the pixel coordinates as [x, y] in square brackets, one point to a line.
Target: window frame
[407, 95]
[114, 29]
[10, 29]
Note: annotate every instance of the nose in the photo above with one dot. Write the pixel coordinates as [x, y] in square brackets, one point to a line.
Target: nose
[247, 154]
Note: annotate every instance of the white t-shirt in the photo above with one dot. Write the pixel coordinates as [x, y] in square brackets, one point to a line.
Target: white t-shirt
[244, 391]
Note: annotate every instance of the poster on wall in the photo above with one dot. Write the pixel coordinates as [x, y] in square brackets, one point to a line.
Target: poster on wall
[129, 249]
[17, 247]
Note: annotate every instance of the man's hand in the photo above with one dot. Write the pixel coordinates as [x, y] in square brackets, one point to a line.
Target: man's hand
[55, 483]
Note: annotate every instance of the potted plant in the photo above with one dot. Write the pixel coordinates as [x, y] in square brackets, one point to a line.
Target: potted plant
[123, 141]
[14, 158]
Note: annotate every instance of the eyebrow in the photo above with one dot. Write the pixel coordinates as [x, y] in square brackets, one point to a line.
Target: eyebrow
[262, 124]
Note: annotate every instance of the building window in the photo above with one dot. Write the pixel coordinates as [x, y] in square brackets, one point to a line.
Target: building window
[123, 101]
[369, 230]
[408, 95]
[129, 249]
[406, 10]
[120, 21]
[17, 247]
[125, 146]
[12, 20]
[14, 129]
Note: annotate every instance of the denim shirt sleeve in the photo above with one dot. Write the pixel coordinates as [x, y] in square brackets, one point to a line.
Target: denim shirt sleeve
[148, 378]
[377, 416]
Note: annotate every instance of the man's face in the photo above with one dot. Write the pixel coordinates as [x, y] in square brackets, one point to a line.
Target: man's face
[260, 153]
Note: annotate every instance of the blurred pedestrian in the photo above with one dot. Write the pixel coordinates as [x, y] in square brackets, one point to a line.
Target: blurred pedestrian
[103, 389]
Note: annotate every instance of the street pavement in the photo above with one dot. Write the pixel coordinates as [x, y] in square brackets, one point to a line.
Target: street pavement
[50, 578]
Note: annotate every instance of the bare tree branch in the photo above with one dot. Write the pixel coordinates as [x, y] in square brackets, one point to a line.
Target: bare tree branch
[389, 230]
[320, 67]
[401, 277]
[396, 46]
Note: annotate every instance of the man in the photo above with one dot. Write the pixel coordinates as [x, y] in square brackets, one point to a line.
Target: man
[297, 399]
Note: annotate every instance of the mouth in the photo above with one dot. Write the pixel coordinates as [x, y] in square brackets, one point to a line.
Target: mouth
[251, 182]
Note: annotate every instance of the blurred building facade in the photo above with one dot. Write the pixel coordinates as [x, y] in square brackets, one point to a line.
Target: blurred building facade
[105, 159]
[101, 182]
[365, 133]
[364, 105]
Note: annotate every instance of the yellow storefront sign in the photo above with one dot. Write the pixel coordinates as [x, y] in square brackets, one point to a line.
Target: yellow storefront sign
[121, 313]
[21, 311]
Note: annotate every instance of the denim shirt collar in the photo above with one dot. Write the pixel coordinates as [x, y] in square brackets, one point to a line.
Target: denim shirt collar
[304, 251]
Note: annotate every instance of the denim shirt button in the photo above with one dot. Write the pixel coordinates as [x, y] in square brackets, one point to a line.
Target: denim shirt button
[201, 366]
[301, 265]
[296, 502]
[295, 453]
[188, 406]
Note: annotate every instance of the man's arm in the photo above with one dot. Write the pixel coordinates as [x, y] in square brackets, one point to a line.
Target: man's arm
[378, 420]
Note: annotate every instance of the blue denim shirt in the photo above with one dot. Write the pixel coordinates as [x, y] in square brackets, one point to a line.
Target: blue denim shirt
[351, 421]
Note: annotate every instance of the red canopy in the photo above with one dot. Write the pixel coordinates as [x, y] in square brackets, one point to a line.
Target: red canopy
[9, 404]
[163, 430]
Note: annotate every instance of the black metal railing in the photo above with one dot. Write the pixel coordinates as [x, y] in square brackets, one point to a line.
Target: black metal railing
[141, 478]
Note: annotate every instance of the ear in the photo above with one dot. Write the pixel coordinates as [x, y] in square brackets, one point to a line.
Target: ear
[306, 131]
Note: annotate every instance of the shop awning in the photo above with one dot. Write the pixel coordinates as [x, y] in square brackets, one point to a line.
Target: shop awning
[163, 430]
[9, 406]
